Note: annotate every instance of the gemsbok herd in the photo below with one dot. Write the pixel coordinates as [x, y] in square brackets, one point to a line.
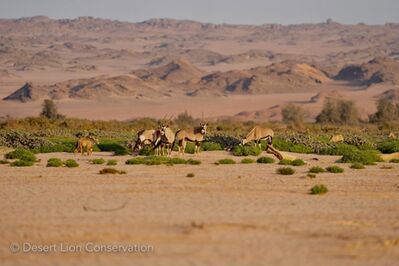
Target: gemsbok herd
[163, 140]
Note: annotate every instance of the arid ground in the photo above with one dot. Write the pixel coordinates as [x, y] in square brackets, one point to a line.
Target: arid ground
[226, 215]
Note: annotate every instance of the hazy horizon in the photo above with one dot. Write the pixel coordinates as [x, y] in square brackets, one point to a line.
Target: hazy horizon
[255, 12]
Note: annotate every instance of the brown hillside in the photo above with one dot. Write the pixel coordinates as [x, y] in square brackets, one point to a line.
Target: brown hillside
[282, 77]
[176, 71]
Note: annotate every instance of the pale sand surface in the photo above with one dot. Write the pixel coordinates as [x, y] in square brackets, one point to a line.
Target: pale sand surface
[225, 215]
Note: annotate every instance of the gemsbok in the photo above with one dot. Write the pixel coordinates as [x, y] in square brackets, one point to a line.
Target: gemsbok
[257, 134]
[196, 135]
[165, 139]
[145, 137]
[86, 143]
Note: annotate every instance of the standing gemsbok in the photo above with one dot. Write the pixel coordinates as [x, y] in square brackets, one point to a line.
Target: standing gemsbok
[165, 139]
[257, 134]
[196, 135]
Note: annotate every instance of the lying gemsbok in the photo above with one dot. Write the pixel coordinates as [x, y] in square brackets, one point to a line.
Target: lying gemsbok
[257, 134]
[86, 143]
[196, 135]
[165, 139]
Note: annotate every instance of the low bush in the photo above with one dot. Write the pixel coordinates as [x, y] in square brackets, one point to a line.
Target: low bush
[338, 149]
[247, 161]
[117, 148]
[21, 163]
[137, 160]
[147, 150]
[193, 162]
[54, 162]
[226, 161]
[288, 145]
[265, 159]
[318, 189]
[240, 150]
[4, 162]
[111, 171]
[335, 169]
[365, 157]
[316, 170]
[112, 162]
[98, 161]
[71, 163]
[285, 162]
[158, 160]
[22, 154]
[176, 161]
[386, 167]
[388, 146]
[190, 175]
[285, 171]
[357, 166]
[211, 146]
[394, 161]
[297, 162]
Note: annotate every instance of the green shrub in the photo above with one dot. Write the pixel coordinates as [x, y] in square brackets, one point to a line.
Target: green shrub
[394, 161]
[147, 150]
[98, 161]
[265, 159]
[389, 146]
[22, 154]
[240, 150]
[285, 171]
[285, 162]
[338, 149]
[4, 162]
[386, 167]
[21, 163]
[190, 175]
[288, 145]
[193, 162]
[118, 149]
[189, 148]
[316, 170]
[297, 162]
[318, 189]
[211, 146]
[54, 162]
[111, 171]
[137, 160]
[247, 161]
[226, 161]
[54, 148]
[176, 161]
[335, 169]
[357, 166]
[71, 163]
[365, 157]
[112, 162]
[158, 160]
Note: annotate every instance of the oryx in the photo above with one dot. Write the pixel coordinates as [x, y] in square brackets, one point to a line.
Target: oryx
[257, 134]
[196, 135]
[165, 139]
